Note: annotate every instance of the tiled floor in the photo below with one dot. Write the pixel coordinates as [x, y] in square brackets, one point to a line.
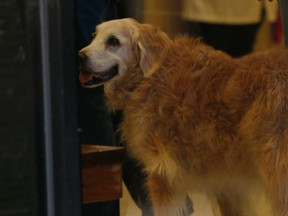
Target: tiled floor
[201, 205]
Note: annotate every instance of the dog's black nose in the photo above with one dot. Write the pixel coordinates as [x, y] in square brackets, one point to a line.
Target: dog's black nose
[82, 57]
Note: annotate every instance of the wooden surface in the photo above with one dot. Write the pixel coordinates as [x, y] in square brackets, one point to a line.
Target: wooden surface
[101, 173]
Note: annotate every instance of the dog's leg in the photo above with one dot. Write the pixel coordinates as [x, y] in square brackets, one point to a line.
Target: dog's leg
[277, 190]
[280, 202]
[235, 203]
[167, 199]
[273, 167]
[227, 206]
[276, 181]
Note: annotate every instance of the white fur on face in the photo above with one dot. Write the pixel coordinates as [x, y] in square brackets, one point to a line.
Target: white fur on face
[101, 56]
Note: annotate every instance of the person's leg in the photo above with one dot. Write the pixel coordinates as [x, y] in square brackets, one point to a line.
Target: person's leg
[243, 39]
[217, 36]
[193, 29]
[235, 40]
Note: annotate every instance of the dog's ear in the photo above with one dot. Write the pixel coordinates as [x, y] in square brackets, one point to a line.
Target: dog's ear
[150, 46]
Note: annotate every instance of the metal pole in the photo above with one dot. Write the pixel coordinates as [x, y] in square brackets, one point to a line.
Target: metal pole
[43, 7]
[283, 4]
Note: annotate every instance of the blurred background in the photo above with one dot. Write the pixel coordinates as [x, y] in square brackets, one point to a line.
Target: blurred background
[167, 14]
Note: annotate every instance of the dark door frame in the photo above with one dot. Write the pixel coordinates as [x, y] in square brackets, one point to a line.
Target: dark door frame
[61, 148]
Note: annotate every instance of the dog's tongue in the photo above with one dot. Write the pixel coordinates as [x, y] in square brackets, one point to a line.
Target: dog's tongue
[84, 78]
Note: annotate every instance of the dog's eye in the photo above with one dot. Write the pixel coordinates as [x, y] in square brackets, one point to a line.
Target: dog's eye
[113, 41]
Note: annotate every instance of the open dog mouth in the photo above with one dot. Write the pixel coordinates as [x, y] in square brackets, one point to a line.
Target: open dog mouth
[94, 79]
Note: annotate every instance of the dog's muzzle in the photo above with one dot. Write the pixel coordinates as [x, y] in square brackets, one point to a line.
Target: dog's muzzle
[92, 79]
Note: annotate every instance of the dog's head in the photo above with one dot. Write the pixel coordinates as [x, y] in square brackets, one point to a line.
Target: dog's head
[122, 51]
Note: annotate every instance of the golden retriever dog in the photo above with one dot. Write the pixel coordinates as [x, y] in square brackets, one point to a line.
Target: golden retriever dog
[195, 118]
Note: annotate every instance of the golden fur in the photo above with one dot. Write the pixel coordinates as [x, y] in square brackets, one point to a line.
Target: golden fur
[197, 119]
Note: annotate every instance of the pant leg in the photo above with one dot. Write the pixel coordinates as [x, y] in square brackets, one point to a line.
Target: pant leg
[243, 39]
[217, 36]
[235, 40]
